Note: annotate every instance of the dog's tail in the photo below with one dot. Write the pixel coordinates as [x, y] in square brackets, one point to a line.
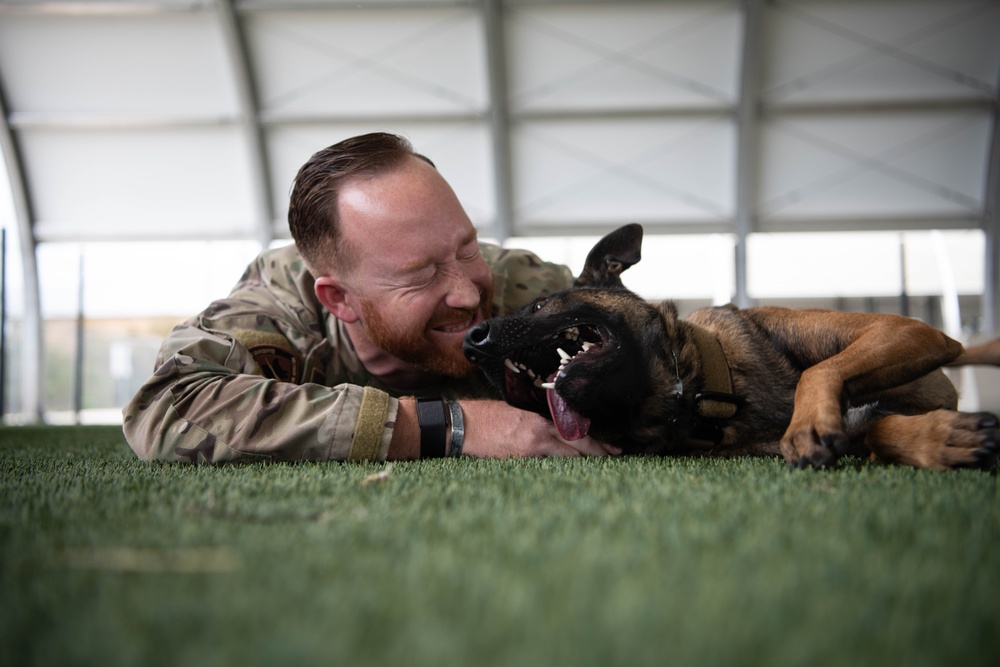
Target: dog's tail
[987, 354]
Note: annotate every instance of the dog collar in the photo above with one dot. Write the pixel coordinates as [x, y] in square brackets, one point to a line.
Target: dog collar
[716, 400]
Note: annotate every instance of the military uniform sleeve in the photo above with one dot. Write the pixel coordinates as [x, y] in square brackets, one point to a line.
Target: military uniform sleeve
[520, 277]
[207, 402]
[234, 384]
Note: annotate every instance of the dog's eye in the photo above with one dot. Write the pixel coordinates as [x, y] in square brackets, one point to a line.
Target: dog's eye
[538, 305]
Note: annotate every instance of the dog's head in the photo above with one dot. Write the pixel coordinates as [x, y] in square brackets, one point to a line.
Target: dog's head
[589, 357]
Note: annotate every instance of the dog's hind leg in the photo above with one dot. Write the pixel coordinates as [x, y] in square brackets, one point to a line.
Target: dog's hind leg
[942, 439]
[876, 354]
[920, 427]
[930, 392]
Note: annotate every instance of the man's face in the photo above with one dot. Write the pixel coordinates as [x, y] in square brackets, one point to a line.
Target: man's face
[418, 280]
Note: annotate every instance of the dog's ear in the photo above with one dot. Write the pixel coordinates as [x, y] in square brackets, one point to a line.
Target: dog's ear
[613, 254]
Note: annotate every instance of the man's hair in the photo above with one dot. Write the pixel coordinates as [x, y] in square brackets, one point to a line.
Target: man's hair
[312, 209]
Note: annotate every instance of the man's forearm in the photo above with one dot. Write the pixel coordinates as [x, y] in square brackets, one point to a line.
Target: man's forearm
[216, 417]
[405, 443]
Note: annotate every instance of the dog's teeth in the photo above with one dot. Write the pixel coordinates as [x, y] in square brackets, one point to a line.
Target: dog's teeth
[548, 385]
[587, 345]
[510, 366]
[563, 354]
[571, 334]
[531, 373]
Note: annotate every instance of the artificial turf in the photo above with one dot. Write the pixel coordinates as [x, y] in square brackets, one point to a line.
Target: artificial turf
[106, 560]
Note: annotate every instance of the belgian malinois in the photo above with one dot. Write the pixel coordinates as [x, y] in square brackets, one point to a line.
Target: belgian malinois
[811, 385]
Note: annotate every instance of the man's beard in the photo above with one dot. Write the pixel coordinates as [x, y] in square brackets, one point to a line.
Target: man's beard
[414, 345]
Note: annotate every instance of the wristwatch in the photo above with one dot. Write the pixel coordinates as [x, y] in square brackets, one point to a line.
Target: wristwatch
[435, 415]
[433, 420]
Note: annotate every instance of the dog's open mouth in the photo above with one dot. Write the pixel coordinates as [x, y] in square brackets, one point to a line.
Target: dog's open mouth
[532, 375]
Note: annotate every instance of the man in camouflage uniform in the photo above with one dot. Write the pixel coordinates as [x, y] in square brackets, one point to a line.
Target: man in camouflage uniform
[321, 349]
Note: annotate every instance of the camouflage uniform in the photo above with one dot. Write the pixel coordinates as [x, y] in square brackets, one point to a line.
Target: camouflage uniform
[269, 373]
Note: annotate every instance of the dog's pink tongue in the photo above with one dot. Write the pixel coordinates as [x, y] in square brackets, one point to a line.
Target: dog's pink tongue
[570, 423]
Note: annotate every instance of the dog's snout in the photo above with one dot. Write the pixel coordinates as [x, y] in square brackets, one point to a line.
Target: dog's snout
[479, 334]
[475, 342]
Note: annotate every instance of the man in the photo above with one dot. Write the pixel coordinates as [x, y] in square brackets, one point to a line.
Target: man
[322, 348]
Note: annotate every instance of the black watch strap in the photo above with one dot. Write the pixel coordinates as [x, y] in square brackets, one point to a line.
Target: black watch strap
[433, 419]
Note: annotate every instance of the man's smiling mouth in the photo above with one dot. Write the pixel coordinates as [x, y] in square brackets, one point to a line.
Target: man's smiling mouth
[459, 326]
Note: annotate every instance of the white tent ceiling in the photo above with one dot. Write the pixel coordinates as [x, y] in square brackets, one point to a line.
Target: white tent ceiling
[187, 119]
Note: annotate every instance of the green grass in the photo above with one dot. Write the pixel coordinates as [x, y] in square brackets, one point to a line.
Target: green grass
[106, 560]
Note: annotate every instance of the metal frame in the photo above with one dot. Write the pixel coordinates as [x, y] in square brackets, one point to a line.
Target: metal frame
[253, 135]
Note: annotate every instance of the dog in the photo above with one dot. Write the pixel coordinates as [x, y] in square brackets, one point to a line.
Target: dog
[810, 385]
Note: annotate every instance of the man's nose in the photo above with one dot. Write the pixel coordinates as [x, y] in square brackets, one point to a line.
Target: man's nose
[463, 292]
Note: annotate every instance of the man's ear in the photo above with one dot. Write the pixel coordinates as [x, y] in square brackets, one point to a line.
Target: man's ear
[333, 296]
[613, 254]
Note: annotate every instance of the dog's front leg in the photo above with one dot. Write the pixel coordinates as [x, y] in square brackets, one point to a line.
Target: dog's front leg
[876, 353]
[815, 435]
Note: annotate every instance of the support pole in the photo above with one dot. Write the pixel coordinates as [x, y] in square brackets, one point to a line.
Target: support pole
[78, 361]
[496, 59]
[991, 227]
[747, 140]
[3, 324]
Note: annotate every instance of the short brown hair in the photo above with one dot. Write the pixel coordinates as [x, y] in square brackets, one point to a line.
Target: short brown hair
[312, 209]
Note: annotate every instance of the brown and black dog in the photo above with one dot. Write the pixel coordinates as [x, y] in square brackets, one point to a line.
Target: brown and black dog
[811, 385]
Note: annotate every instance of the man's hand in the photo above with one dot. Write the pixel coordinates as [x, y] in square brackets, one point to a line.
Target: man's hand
[495, 429]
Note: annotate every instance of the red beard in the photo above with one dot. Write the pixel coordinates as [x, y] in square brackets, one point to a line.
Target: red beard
[415, 346]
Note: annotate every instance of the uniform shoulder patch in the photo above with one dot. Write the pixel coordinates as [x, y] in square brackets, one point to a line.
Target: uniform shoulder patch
[277, 358]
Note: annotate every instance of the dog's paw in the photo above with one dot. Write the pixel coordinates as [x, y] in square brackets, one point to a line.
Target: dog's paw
[814, 446]
[942, 439]
[815, 435]
[972, 441]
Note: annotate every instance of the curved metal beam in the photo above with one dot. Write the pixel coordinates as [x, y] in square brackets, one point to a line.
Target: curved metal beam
[249, 118]
[31, 355]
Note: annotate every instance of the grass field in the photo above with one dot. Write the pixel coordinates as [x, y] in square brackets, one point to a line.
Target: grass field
[107, 560]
